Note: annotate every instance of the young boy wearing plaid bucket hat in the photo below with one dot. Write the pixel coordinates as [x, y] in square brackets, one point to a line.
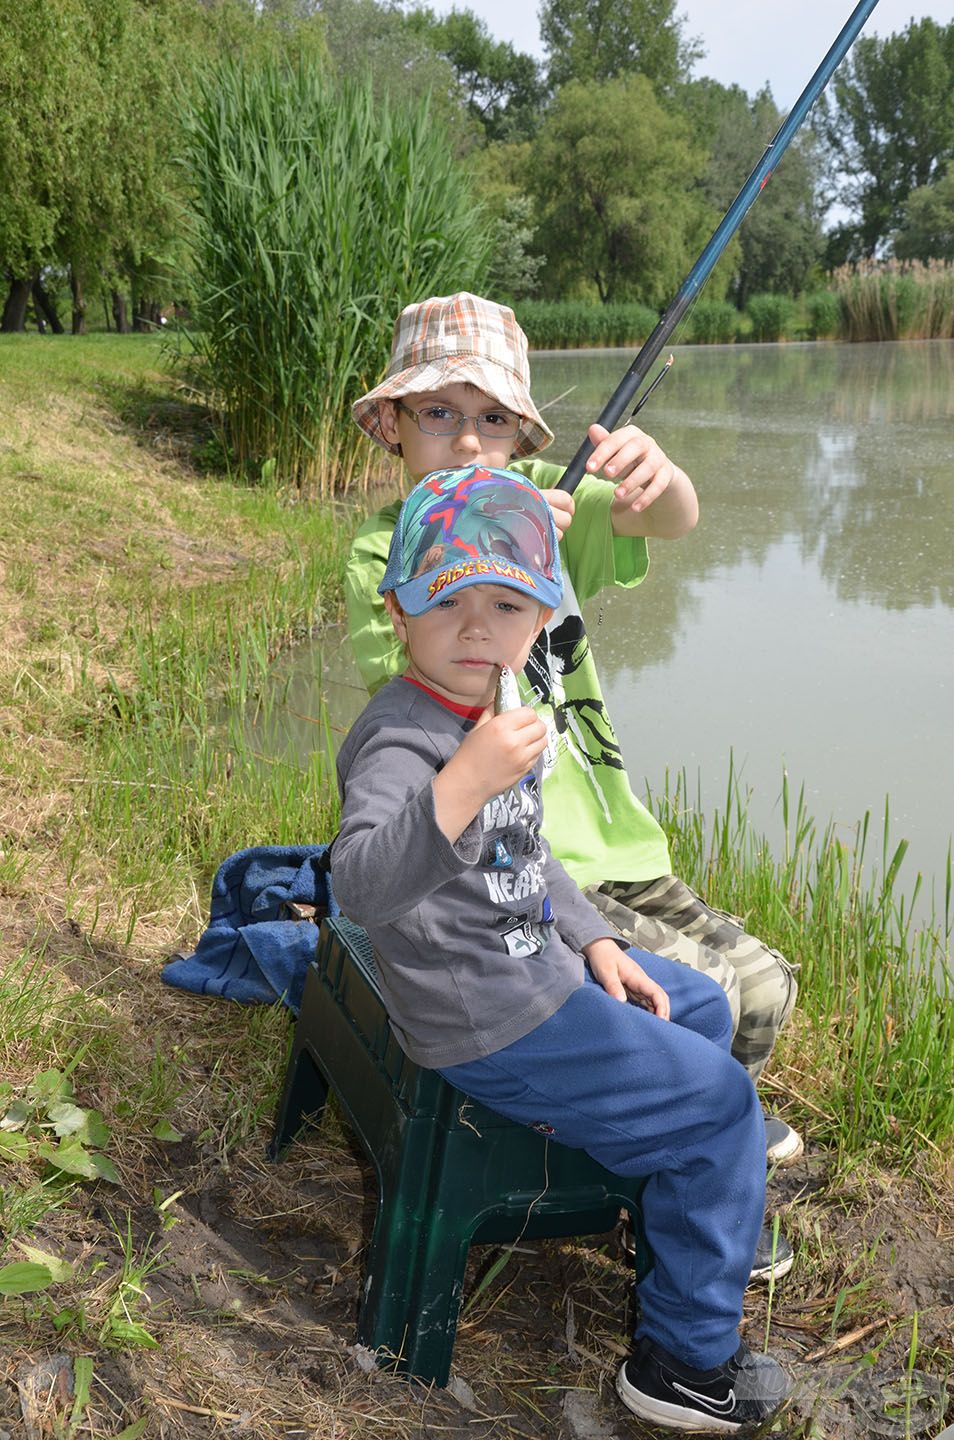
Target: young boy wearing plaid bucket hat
[457, 392]
[496, 970]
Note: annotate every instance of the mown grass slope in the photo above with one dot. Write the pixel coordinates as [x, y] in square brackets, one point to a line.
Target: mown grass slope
[194, 1288]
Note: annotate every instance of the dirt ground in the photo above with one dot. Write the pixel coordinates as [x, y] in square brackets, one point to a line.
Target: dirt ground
[255, 1290]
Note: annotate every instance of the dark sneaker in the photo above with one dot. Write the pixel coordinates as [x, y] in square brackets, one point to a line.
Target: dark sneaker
[661, 1389]
[782, 1143]
[773, 1257]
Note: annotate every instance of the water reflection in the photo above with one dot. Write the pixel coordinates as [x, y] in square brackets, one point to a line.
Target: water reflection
[848, 448]
[808, 620]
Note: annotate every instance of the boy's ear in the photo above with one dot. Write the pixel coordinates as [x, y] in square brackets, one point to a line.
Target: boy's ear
[545, 616]
[387, 416]
[393, 606]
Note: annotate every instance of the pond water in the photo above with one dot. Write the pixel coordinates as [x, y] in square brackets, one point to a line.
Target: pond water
[807, 623]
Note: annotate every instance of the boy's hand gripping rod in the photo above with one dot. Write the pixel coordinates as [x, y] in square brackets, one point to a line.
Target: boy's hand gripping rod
[721, 236]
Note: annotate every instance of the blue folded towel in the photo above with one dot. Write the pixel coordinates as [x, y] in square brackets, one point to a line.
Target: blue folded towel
[249, 952]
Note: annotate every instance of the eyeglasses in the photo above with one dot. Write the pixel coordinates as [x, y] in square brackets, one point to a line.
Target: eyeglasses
[445, 420]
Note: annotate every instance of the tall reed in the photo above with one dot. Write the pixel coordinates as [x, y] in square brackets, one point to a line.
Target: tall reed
[896, 300]
[567, 324]
[319, 212]
[871, 1044]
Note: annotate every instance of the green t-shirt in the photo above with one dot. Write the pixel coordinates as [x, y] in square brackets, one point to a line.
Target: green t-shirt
[593, 821]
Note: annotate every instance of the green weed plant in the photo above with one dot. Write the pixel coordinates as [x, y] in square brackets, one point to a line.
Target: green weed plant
[319, 212]
[872, 1045]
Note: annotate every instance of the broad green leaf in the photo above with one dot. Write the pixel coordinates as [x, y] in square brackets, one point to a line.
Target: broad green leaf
[129, 1331]
[70, 1156]
[105, 1169]
[17, 1116]
[50, 1086]
[82, 1383]
[59, 1269]
[14, 1146]
[165, 1131]
[67, 1118]
[24, 1277]
[95, 1131]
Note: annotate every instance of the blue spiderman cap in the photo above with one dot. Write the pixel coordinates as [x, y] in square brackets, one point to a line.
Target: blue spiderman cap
[471, 527]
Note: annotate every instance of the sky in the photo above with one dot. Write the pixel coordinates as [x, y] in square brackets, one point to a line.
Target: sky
[747, 42]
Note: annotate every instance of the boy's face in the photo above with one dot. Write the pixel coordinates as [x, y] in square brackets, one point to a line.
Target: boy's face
[457, 647]
[423, 453]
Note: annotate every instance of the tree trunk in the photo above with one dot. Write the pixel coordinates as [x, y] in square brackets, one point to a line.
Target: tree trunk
[14, 311]
[44, 304]
[79, 302]
[120, 314]
[141, 315]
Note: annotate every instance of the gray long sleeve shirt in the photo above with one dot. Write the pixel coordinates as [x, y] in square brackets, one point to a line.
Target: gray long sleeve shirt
[478, 942]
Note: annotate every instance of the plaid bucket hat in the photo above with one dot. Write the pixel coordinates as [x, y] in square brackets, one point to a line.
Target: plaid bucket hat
[470, 527]
[454, 338]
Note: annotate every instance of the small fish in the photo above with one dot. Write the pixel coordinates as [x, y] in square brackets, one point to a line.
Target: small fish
[506, 696]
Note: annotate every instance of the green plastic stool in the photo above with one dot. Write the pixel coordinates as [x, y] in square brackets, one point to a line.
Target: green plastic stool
[449, 1171]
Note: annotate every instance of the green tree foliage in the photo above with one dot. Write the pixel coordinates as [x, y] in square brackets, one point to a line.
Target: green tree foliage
[780, 239]
[90, 134]
[927, 229]
[86, 107]
[617, 185]
[889, 128]
[500, 172]
[320, 212]
[598, 40]
[371, 41]
[501, 87]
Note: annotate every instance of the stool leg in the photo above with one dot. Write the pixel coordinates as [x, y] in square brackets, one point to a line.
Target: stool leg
[305, 1093]
[439, 1286]
[416, 1264]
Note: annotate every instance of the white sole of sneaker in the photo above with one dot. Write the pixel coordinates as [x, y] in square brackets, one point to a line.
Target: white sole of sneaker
[778, 1270]
[786, 1151]
[674, 1417]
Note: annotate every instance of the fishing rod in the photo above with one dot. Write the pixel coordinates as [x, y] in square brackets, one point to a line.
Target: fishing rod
[721, 236]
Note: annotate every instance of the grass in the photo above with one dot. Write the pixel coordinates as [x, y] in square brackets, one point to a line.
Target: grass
[144, 599]
[872, 1040]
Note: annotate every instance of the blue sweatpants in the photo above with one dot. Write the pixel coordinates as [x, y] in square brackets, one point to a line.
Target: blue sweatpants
[664, 1099]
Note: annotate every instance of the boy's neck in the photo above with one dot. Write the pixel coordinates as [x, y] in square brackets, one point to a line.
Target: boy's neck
[466, 712]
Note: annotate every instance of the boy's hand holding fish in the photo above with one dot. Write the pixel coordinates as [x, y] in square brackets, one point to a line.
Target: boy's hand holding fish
[495, 755]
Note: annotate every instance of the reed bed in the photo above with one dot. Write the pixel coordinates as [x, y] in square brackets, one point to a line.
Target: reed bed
[572, 324]
[896, 300]
[319, 212]
[869, 1052]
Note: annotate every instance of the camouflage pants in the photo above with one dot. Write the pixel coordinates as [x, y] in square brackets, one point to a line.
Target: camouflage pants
[667, 918]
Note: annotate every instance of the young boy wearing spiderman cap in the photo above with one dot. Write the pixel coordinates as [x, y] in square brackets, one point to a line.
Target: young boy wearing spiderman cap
[498, 972]
[457, 393]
